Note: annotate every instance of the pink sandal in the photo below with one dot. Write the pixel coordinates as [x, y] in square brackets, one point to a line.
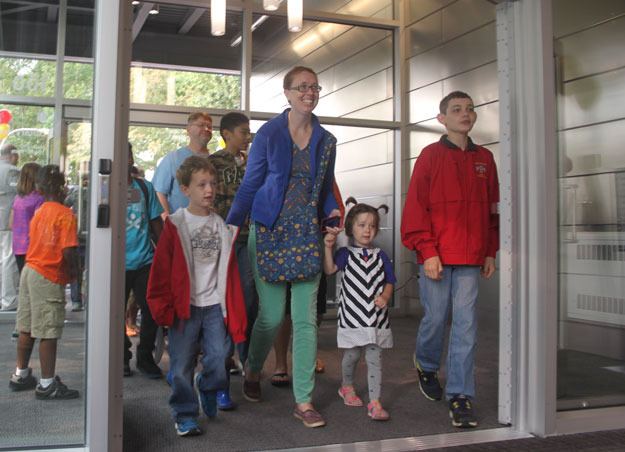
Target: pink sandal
[349, 396]
[376, 412]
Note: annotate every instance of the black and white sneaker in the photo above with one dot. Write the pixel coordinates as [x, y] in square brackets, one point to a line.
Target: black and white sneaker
[57, 390]
[188, 427]
[461, 412]
[428, 383]
[17, 383]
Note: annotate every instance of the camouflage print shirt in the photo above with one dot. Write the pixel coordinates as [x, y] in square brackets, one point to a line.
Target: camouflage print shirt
[229, 176]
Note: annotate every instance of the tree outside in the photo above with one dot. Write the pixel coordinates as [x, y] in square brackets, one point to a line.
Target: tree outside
[32, 77]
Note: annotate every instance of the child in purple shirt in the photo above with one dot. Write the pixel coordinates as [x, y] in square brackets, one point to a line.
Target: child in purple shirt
[28, 200]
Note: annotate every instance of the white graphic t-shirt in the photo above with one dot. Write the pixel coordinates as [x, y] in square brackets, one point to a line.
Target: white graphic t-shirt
[206, 248]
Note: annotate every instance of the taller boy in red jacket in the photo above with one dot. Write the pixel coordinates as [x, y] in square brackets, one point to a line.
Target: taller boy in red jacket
[450, 219]
[194, 289]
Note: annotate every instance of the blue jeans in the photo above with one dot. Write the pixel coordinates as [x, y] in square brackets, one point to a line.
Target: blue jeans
[456, 291]
[205, 328]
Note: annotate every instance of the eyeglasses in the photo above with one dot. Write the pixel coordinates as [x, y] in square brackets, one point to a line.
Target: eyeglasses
[303, 88]
[203, 126]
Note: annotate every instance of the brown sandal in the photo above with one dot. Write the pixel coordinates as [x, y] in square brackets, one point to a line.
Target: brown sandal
[251, 390]
[310, 417]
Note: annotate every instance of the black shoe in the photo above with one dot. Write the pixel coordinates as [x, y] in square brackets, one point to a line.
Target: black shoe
[149, 368]
[57, 390]
[23, 383]
[461, 412]
[428, 383]
[127, 370]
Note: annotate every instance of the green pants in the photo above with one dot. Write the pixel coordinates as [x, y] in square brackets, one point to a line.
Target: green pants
[272, 304]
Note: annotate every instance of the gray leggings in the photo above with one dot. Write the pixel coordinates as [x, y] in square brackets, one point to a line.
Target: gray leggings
[373, 356]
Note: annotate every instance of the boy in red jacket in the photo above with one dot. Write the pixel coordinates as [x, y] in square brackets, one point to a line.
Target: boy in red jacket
[450, 219]
[194, 289]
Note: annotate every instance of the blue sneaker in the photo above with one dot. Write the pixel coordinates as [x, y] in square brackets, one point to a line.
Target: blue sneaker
[208, 399]
[188, 427]
[224, 402]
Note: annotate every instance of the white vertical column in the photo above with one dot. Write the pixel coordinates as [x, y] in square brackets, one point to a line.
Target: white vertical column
[402, 138]
[106, 245]
[59, 91]
[528, 208]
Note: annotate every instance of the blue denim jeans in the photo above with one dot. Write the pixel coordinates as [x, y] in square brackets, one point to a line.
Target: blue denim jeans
[205, 330]
[457, 291]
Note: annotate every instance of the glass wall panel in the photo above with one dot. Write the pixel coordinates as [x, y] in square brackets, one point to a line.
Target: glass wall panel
[28, 49]
[184, 88]
[590, 66]
[151, 144]
[354, 65]
[27, 76]
[177, 61]
[78, 80]
[30, 131]
[29, 27]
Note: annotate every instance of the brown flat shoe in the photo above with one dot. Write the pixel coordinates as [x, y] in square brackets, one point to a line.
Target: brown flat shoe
[251, 390]
[320, 367]
[311, 418]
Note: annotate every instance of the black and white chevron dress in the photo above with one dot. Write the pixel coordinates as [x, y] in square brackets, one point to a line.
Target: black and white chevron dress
[360, 321]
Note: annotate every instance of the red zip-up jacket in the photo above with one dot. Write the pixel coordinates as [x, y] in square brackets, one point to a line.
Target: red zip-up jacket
[169, 284]
[451, 205]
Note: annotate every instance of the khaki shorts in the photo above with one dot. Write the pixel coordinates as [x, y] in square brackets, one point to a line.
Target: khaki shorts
[41, 307]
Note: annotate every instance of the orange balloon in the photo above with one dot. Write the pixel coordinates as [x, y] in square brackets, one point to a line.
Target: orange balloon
[4, 131]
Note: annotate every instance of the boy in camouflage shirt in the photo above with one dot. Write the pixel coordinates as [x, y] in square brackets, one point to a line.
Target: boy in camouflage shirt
[230, 165]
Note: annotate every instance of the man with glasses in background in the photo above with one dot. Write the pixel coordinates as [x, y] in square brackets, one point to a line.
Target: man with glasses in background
[200, 131]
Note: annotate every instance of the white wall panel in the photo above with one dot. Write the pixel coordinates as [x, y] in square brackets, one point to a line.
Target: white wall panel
[418, 9]
[424, 102]
[454, 57]
[370, 151]
[465, 15]
[595, 147]
[570, 16]
[481, 84]
[366, 182]
[425, 34]
[592, 99]
[594, 50]
[353, 97]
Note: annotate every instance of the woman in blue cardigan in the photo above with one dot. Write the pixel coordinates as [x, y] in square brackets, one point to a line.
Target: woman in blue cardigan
[290, 168]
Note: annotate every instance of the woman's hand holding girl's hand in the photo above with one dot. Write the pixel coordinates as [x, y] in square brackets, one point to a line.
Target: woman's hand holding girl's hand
[330, 238]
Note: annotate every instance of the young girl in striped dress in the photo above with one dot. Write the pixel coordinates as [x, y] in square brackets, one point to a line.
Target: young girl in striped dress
[366, 287]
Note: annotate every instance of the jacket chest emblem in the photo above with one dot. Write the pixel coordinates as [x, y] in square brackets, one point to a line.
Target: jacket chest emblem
[480, 169]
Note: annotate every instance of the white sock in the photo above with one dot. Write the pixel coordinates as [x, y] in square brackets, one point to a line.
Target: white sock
[21, 372]
[45, 382]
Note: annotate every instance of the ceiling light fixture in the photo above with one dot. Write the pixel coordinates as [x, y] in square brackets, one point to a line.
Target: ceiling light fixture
[271, 5]
[236, 41]
[295, 11]
[218, 17]
[155, 10]
[135, 2]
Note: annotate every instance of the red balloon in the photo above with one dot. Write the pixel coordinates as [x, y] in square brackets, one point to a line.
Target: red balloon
[5, 116]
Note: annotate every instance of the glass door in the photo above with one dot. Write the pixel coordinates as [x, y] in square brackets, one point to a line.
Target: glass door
[591, 355]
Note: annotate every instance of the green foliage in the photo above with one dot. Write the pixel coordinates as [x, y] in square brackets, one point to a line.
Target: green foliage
[78, 80]
[27, 77]
[192, 89]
